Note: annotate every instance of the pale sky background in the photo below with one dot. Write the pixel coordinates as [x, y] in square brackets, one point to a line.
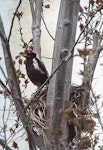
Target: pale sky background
[7, 7]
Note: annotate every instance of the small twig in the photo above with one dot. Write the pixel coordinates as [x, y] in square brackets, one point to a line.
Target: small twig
[3, 72]
[87, 25]
[5, 87]
[2, 142]
[86, 37]
[12, 23]
[3, 37]
[4, 124]
[12, 136]
[47, 29]
[20, 30]
[47, 57]
[96, 56]
[8, 115]
[8, 110]
[99, 118]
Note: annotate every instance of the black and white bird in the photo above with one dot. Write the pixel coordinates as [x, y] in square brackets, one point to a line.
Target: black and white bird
[35, 68]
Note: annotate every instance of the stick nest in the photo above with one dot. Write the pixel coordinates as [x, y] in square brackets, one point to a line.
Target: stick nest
[37, 108]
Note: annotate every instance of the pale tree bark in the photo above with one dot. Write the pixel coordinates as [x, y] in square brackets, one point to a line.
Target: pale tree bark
[59, 86]
[90, 67]
[92, 61]
[15, 89]
[96, 50]
[36, 25]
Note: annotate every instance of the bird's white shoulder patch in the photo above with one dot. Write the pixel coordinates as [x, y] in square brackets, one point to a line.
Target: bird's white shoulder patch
[35, 64]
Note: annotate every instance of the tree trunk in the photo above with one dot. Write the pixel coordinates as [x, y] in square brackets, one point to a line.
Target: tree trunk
[59, 87]
[36, 25]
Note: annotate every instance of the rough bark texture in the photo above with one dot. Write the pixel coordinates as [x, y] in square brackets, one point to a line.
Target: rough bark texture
[59, 87]
[90, 67]
[36, 25]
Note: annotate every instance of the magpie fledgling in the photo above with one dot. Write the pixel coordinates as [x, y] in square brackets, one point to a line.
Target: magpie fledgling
[35, 68]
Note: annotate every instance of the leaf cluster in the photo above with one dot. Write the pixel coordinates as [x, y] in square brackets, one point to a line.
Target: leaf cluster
[83, 123]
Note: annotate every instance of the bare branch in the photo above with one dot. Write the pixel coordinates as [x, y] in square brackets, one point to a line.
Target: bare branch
[12, 22]
[36, 25]
[32, 9]
[3, 37]
[20, 30]
[12, 78]
[99, 118]
[2, 142]
[96, 37]
[4, 124]
[47, 57]
[47, 29]
[88, 22]
[5, 87]
[96, 56]
[3, 72]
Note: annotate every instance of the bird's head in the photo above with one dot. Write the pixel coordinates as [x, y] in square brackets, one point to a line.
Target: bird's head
[28, 55]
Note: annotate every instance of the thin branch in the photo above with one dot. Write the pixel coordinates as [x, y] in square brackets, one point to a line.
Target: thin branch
[8, 61]
[2, 142]
[5, 87]
[36, 25]
[47, 29]
[3, 72]
[20, 30]
[32, 9]
[14, 136]
[99, 118]
[8, 110]
[87, 25]
[2, 37]
[46, 57]
[96, 56]
[4, 124]
[12, 22]
[86, 37]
